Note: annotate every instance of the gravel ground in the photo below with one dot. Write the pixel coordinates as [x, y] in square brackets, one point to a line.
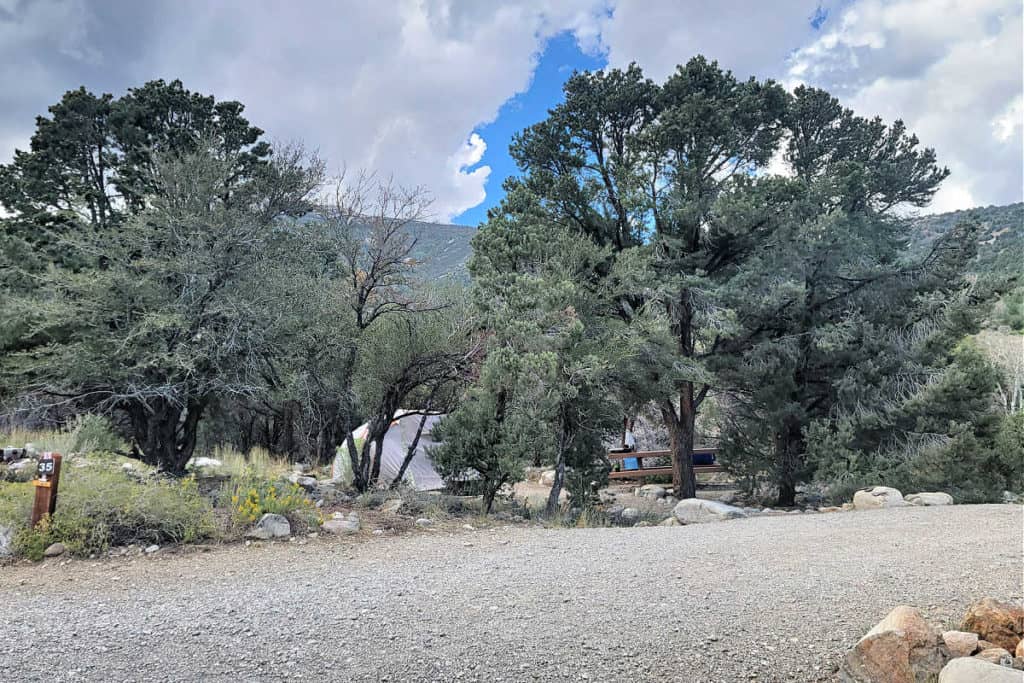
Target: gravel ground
[766, 599]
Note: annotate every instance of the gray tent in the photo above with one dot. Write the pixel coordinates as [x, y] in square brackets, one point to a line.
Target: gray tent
[420, 473]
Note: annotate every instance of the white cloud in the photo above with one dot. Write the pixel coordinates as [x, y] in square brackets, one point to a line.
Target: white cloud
[400, 86]
[950, 69]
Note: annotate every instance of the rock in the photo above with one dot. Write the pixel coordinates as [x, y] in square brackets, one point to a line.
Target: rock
[341, 527]
[19, 465]
[424, 522]
[696, 510]
[929, 498]
[671, 501]
[878, 497]
[152, 549]
[54, 550]
[630, 516]
[1011, 497]
[1000, 623]
[547, 478]
[901, 648]
[652, 491]
[960, 643]
[671, 521]
[846, 507]
[1018, 663]
[306, 482]
[996, 655]
[271, 526]
[830, 508]
[1019, 652]
[6, 541]
[200, 463]
[393, 505]
[974, 670]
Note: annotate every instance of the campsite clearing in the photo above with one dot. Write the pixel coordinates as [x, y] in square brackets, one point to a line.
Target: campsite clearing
[766, 599]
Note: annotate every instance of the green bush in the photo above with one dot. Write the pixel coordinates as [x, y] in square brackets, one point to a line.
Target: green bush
[91, 433]
[249, 497]
[101, 505]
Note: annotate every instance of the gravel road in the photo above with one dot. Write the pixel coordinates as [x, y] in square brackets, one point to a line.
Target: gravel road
[765, 599]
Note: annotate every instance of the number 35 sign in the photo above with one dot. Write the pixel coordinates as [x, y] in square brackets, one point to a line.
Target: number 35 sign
[47, 478]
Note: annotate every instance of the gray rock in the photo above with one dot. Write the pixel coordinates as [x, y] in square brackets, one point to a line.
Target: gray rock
[271, 526]
[974, 670]
[670, 521]
[929, 498]
[55, 550]
[19, 465]
[652, 491]
[201, 463]
[630, 516]
[306, 482]
[697, 510]
[341, 527]
[152, 549]
[424, 522]
[547, 478]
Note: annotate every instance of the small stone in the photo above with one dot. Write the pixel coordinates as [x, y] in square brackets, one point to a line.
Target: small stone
[152, 549]
[54, 550]
[670, 521]
[960, 643]
[271, 526]
[424, 522]
[341, 527]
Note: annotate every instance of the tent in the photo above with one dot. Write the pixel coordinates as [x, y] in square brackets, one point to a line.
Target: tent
[420, 473]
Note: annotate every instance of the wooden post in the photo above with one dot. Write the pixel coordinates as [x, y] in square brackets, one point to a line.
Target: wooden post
[46, 481]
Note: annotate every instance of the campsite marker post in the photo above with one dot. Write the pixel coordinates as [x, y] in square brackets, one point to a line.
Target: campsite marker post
[46, 481]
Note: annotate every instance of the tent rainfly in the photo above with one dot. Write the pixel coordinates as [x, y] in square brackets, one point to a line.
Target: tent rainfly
[420, 474]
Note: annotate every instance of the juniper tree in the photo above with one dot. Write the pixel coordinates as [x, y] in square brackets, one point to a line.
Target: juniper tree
[638, 166]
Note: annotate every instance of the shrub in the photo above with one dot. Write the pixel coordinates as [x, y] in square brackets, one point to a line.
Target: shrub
[250, 497]
[101, 505]
[91, 433]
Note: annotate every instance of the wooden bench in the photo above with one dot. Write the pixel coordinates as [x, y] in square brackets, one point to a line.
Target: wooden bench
[643, 472]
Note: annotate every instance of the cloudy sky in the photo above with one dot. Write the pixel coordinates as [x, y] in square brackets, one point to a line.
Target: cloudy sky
[432, 90]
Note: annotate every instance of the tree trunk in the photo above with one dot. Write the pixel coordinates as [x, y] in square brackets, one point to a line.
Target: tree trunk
[681, 427]
[556, 486]
[411, 452]
[166, 433]
[789, 460]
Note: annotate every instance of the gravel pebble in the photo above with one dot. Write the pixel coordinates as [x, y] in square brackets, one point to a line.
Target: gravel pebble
[765, 598]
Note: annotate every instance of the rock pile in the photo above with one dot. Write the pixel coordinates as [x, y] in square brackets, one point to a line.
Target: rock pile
[905, 648]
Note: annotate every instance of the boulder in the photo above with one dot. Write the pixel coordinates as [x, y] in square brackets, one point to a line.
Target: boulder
[1000, 623]
[652, 491]
[996, 655]
[547, 478]
[878, 497]
[901, 648]
[960, 643]
[670, 521]
[929, 498]
[697, 510]
[20, 465]
[630, 516]
[201, 463]
[1019, 652]
[306, 482]
[974, 670]
[424, 522]
[54, 550]
[340, 525]
[271, 526]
